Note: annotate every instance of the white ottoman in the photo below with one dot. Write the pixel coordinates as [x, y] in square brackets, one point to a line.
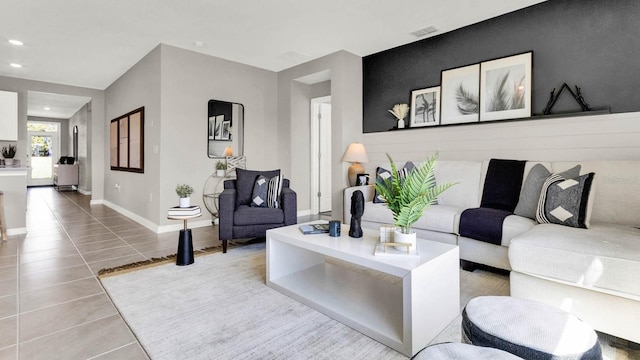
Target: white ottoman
[529, 329]
[458, 351]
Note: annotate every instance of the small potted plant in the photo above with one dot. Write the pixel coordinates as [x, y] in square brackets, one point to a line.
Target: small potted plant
[184, 191]
[400, 111]
[8, 152]
[407, 197]
[221, 166]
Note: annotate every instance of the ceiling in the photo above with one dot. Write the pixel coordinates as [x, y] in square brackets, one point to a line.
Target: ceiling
[90, 43]
[56, 106]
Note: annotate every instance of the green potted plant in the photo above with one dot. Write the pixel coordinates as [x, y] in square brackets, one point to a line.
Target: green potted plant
[407, 197]
[184, 191]
[221, 166]
[8, 153]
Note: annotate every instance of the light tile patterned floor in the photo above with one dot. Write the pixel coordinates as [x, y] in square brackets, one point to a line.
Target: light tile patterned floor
[51, 304]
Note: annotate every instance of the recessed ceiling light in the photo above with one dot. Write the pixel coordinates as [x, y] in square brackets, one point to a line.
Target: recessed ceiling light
[16, 42]
[15, 65]
[47, 108]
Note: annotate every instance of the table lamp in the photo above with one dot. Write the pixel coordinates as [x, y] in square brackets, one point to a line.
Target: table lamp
[228, 151]
[355, 154]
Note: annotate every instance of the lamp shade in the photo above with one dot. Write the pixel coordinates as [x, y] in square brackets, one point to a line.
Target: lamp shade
[356, 153]
[228, 151]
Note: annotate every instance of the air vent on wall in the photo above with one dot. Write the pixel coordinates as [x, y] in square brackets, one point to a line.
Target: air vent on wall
[424, 32]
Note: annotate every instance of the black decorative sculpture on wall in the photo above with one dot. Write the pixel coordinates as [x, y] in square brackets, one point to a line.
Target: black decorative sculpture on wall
[577, 96]
[357, 209]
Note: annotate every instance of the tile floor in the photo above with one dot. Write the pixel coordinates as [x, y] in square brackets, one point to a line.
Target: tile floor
[51, 304]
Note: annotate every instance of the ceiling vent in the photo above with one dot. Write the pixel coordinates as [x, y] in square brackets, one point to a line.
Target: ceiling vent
[424, 32]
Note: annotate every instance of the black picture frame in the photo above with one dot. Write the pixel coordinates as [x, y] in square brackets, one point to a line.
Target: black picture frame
[505, 87]
[362, 179]
[460, 95]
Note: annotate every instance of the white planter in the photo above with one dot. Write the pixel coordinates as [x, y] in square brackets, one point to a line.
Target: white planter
[401, 124]
[8, 161]
[219, 172]
[185, 202]
[400, 237]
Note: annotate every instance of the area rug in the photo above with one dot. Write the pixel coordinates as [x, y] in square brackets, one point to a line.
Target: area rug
[220, 308]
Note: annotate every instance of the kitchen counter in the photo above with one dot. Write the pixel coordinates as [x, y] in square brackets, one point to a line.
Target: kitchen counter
[13, 183]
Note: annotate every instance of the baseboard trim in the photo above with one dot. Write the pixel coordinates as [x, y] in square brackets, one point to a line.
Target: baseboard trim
[84, 192]
[96, 202]
[303, 212]
[158, 229]
[16, 231]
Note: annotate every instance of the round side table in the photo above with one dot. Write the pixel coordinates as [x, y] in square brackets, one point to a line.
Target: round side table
[185, 241]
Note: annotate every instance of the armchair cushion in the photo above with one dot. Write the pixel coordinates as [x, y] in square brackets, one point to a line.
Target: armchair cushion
[247, 215]
[245, 181]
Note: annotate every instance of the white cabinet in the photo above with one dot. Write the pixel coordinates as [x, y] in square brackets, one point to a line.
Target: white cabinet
[8, 116]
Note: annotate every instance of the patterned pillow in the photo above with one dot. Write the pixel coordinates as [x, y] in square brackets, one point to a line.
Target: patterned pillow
[381, 175]
[266, 192]
[566, 201]
[530, 193]
[273, 195]
[384, 174]
[260, 192]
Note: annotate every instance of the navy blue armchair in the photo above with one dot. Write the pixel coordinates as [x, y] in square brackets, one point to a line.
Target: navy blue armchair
[239, 220]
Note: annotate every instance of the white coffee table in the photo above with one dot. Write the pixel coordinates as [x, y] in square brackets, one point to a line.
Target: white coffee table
[405, 314]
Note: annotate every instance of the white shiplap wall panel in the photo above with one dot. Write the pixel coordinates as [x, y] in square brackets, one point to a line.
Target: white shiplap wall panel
[580, 138]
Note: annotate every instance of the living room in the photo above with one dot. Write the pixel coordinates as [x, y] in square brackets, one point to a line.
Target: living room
[589, 44]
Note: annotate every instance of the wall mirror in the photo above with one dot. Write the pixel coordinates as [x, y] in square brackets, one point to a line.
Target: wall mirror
[225, 135]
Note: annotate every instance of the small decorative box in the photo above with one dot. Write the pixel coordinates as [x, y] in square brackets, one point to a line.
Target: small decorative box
[386, 233]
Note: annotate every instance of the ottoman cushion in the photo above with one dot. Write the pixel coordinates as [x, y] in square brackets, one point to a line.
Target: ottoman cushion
[447, 351]
[529, 329]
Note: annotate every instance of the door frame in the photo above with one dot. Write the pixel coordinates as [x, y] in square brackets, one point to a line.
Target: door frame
[56, 143]
[314, 126]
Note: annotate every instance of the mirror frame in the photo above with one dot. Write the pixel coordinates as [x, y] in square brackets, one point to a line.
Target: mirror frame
[231, 128]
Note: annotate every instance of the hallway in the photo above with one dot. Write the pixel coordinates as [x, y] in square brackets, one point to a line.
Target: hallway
[51, 304]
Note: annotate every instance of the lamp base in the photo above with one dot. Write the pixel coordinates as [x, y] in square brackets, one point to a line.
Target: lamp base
[355, 169]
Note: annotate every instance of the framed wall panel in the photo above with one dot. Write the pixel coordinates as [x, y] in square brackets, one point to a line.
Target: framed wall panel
[127, 142]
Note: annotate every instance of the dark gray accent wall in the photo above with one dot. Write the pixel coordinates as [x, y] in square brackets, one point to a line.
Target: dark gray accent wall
[592, 43]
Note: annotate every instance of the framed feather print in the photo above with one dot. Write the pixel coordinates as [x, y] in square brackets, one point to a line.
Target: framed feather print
[505, 88]
[460, 92]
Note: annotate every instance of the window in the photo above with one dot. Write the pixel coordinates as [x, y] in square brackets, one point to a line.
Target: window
[127, 142]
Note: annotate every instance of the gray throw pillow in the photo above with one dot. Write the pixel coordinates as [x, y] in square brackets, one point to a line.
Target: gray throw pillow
[530, 193]
[565, 201]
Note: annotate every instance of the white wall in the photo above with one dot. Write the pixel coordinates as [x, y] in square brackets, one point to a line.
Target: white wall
[345, 71]
[189, 81]
[82, 119]
[174, 86]
[139, 86]
[595, 137]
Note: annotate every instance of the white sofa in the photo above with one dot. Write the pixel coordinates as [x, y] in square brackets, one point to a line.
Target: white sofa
[591, 273]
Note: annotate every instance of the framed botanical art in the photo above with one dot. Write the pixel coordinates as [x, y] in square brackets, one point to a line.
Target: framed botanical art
[425, 107]
[505, 88]
[460, 89]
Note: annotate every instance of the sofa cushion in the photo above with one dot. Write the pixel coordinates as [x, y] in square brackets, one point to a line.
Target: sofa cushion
[247, 215]
[440, 218]
[467, 174]
[566, 201]
[530, 193]
[515, 225]
[245, 181]
[605, 256]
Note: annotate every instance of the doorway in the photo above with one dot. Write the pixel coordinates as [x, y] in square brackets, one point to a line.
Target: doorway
[44, 146]
[321, 155]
